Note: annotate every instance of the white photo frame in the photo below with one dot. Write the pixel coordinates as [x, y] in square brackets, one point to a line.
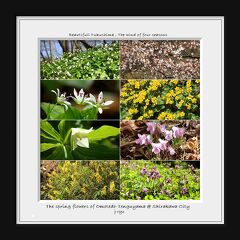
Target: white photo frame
[209, 209]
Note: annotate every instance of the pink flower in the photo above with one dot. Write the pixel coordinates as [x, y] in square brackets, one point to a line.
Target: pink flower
[178, 132]
[171, 150]
[162, 128]
[151, 127]
[156, 148]
[144, 139]
[169, 135]
[163, 144]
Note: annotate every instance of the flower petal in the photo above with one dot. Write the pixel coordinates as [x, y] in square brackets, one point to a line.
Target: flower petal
[100, 110]
[92, 98]
[100, 97]
[54, 92]
[75, 93]
[83, 142]
[107, 103]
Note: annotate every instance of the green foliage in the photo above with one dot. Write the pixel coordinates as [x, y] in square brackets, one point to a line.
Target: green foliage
[96, 63]
[176, 180]
[56, 142]
[82, 180]
[56, 112]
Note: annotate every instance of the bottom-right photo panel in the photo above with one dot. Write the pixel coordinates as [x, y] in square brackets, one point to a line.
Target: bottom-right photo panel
[159, 180]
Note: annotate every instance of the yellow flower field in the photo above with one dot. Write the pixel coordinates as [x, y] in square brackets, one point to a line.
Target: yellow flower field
[160, 99]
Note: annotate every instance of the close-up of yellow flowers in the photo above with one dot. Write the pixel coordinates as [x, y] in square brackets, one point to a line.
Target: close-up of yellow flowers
[160, 99]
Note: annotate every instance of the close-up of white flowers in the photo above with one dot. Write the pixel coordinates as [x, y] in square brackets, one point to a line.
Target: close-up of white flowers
[62, 99]
[79, 137]
[80, 98]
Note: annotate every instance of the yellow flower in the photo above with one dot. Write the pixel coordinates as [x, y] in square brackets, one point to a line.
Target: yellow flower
[98, 177]
[198, 81]
[145, 115]
[104, 190]
[141, 96]
[174, 81]
[140, 118]
[112, 187]
[161, 116]
[137, 84]
[181, 114]
[154, 100]
[132, 111]
[188, 106]
[147, 102]
[150, 113]
[194, 100]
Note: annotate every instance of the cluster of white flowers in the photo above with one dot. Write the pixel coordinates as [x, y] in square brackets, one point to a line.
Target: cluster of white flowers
[161, 59]
[81, 98]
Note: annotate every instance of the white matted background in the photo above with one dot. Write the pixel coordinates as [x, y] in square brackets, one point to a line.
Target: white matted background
[209, 209]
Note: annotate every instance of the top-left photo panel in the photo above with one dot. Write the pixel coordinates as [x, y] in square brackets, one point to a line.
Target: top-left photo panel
[79, 59]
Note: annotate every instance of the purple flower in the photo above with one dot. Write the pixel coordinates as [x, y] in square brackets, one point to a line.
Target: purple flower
[171, 150]
[145, 190]
[151, 127]
[169, 180]
[178, 132]
[144, 139]
[156, 148]
[162, 128]
[161, 184]
[168, 135]
[143, 171]
[163, 144]
[177, 166]
[184, 190]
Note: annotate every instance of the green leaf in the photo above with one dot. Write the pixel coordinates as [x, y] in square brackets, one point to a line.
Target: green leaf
[52, 111]
[103, 132]
[59, 153]
[48, 129]
[47, 146]
[96, 152]
[56, 112]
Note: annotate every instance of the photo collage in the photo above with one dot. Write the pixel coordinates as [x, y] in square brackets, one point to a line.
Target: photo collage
[120, 119]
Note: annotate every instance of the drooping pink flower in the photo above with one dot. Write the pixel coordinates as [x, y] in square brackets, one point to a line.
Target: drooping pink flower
[148, 140]
[171, 150]
[144, 139]
[163, 144]
[168, 135]
[162, 128]
[178, 132]
[151, 126]
[156, 148]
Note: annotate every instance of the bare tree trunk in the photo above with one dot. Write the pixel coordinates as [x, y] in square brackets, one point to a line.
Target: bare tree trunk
[64, 45]
[42, 55]
[85, 44]
[50, 50]
[46, 50]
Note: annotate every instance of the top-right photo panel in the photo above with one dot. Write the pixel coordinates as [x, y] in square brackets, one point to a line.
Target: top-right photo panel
[160, 59]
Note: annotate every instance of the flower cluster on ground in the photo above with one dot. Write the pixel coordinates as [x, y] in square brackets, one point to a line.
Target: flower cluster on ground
[144, 180]
[160, 141]
[144, 59]
[160, 99]
[96, 63]
[80, 180]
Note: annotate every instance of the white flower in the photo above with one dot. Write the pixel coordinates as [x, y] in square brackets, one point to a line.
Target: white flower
[99, 103]
[79, 137]
[79, 97]
[62, 99]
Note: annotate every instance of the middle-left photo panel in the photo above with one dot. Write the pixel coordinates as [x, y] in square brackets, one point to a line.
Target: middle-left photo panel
[79, 120]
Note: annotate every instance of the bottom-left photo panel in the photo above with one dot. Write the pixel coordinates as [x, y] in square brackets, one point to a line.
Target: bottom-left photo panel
[80, 180]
